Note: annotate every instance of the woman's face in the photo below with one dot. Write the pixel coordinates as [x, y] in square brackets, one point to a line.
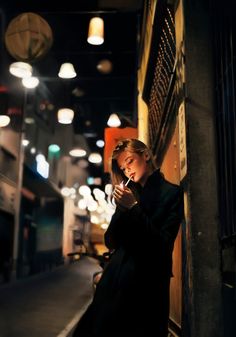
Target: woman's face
[134, 165]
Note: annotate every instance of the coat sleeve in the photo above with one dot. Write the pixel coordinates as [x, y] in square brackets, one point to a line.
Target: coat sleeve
[113, 235]
[160, 227]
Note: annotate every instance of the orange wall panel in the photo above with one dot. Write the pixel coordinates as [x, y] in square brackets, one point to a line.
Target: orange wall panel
[112, 136]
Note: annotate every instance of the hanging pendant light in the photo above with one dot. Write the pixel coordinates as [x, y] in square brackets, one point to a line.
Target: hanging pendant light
[30, 82]
[21, 69]
[4, 120]
[114, 121]
[65, 116]
[67, 70]
[95, 158]
[77, 152]
[96, 31]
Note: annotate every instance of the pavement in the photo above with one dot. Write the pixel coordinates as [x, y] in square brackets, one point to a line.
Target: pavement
[48, 304]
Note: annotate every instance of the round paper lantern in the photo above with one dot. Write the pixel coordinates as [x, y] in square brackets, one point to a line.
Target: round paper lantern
[28, 37]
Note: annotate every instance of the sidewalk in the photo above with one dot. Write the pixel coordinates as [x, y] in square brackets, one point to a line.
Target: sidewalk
[47, 305]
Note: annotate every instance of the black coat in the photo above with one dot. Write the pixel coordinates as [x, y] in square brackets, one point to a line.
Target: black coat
[132, 297]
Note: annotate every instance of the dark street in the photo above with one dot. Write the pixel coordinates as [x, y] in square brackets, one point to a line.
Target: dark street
[47, 305]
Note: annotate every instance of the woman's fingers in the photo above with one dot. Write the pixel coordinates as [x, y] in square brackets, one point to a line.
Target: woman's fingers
[118, 190]
[122, 195]
[117, 195]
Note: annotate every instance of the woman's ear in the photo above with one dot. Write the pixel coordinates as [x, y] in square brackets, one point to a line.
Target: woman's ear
[146, 156]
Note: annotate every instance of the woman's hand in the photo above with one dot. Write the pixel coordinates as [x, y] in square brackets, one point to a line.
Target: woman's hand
[124, 196]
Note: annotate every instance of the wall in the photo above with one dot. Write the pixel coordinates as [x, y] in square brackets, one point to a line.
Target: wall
[203, 303]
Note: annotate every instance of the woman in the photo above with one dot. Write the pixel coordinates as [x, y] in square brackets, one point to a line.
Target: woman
[132, 297]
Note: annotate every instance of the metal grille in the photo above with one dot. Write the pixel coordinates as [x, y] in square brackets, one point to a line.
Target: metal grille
[161, 97]
[225, 53]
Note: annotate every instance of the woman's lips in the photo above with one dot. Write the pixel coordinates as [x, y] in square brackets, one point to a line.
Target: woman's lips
[132, 176]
